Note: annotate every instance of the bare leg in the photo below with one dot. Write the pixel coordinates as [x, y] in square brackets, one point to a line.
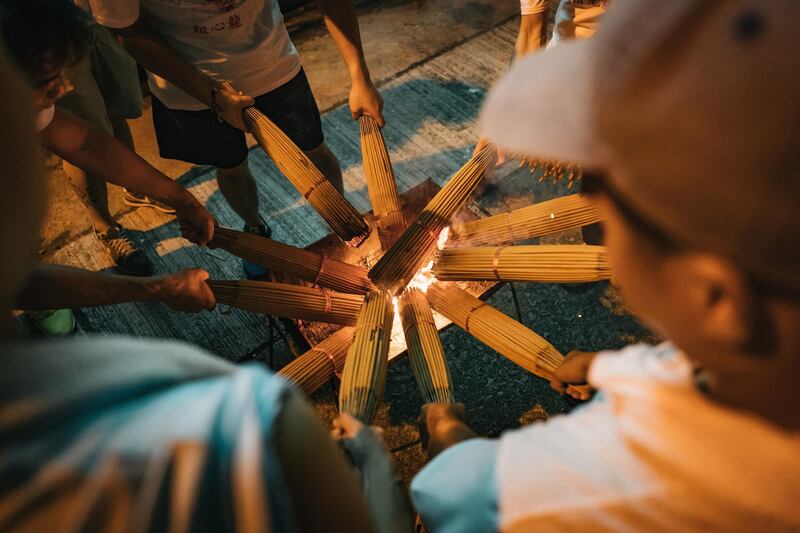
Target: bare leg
[93, 193]
[327, 163]
[238, 187]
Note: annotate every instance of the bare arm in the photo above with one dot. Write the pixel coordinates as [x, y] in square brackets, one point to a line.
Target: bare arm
[342, 23]
[95, 151]
[57, 286]
[532, 29]
[153, 53]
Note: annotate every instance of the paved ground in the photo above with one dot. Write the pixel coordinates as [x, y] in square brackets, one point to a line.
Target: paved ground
[439, 56]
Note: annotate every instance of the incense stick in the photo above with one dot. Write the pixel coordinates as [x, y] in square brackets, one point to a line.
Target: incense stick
[425, 352]
[495, 329]
[288, 301]
[381, 183]
[314, 368]
[301, 263]
[412, 250]
[364, 375]
[557, 263]
[544, 218]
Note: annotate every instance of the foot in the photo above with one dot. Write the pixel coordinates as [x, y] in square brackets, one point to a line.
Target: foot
[54, 323]
[252, 270]
[128, 258]
[140, 200]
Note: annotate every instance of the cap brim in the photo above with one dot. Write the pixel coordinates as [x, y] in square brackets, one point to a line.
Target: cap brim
[541, 107]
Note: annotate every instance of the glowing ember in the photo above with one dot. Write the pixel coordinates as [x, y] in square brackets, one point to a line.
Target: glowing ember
[443, 236]
[424, 278]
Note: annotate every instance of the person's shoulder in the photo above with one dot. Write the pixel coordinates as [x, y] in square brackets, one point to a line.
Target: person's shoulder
[662, 363]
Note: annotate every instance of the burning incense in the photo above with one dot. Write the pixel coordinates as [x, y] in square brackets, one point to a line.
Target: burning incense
[557, 263]
[495, 329]
[288, 301]
[367, 362]
[342, 217]
[380, 183]
[304, 264]
[411, 251]
[314, 368]
[553, 170]
[425, 352]
[536, 220]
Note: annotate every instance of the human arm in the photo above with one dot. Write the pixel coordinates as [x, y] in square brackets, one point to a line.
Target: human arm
[531, 37]
[386, 499]
[153, 53]
[442, 425]
[58, 286]
[342, 23]
[93, 150]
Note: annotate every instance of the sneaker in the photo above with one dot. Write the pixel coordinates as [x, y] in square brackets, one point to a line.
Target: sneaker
[54, 323]
[140, 200]
[128, 258]
[252, 270]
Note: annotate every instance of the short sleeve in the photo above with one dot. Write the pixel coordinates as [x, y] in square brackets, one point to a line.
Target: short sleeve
[457, 491]
[115, 13]
[532, 7]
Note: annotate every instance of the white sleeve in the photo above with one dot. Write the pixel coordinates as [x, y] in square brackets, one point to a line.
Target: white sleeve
[115, 13]
[531, 7]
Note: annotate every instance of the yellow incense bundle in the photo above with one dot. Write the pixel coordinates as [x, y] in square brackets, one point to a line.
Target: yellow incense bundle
[380, 183]
[556, 263]
[425, 352]
[412, 250]
[495, 329]
[342, 217]
[314, 368]
[301, 263]
[288, 301]
[364, 375]
[544, 218]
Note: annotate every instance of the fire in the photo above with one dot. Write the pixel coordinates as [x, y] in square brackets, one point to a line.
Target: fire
[443, 236]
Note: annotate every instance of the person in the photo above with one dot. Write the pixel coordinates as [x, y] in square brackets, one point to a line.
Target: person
[112, 433]
[684, 115]
[191, 48]
[105, 93]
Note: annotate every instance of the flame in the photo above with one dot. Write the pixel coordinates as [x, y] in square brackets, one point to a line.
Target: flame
[424, 278]
[443, 236]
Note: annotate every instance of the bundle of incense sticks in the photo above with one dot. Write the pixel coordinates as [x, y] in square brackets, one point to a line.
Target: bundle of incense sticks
[425, 352]
[495, 329]
[303, 264]
[556, 263]
[395, 269]
[314, 368]
[364, 375]
[342, 217]
[380, 183]
[288, 301]
[536, 220]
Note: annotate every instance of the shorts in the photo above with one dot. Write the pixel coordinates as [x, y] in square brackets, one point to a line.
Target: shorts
[198, 137]
[106, 82]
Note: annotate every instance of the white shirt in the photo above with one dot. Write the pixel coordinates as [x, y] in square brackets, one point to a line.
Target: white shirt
[241, 41]
[574, 18]
[653, 454]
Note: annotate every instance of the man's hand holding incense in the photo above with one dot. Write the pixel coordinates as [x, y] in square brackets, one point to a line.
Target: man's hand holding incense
[230, 104]
[195, 221]
[184, 290]
[571, 377]
[366, 100]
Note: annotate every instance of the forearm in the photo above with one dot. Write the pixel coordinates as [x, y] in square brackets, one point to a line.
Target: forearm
[150, 50]
[531, 34]
[446, 433]
[342, 23]
[57, 287]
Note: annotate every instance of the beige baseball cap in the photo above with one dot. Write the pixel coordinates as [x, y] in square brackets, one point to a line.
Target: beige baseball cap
[690, 108]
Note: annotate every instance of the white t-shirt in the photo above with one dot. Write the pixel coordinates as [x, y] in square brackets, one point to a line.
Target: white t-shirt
[652, 454]
[241, 41]
[574, 18]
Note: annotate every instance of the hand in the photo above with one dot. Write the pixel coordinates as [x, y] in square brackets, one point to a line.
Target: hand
[482, 142]
[436, 419]
[346, 426]
[366, 100]
[231, 104]
[196, 222]
[185, 290]
[571, 377]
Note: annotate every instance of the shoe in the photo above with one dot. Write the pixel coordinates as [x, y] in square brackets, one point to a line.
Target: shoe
[252, 270]
[140, 200]
[54, 323]
[128, 258]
